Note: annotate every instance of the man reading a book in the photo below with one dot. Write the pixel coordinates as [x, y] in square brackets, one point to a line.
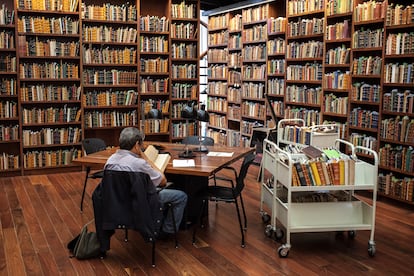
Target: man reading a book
[130, 157]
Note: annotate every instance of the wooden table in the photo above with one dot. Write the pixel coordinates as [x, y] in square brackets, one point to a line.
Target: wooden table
[192, 180]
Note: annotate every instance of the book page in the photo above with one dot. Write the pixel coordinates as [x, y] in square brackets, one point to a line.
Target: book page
[160, 160]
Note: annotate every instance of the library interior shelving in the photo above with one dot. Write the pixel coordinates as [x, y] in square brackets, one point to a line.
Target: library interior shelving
[88, 68]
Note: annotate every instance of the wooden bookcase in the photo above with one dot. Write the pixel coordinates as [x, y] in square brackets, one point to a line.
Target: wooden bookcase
[9, 112]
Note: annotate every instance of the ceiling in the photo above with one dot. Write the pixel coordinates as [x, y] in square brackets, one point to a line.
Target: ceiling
[213, 4]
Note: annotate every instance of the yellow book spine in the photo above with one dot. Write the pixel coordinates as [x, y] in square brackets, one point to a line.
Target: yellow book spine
[315, 173]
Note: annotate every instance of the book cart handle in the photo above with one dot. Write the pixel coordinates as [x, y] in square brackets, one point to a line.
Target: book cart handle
[351, 146]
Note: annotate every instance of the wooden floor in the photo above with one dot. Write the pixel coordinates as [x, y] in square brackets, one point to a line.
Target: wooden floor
[40, 214]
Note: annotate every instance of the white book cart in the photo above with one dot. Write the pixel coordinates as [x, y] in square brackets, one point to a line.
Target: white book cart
[298, 216]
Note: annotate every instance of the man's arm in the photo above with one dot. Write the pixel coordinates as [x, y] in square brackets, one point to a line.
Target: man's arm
[163, 178]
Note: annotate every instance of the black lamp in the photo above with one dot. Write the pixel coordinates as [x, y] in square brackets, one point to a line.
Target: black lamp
[189, 113]
[202, 116]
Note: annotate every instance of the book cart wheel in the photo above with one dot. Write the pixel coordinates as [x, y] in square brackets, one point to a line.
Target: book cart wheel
[371, 248]
[268, 231]
[279, 234]
[283, 251]
[352, 234]
[265, 217]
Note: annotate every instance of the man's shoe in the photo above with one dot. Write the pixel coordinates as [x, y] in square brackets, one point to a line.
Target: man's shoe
[162, 236]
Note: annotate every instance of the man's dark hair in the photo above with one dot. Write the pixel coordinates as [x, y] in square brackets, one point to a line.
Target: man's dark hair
[129, 136]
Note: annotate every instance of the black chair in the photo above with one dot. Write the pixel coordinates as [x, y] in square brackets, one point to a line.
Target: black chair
[128, 200]
[91, 145]
[229, 194]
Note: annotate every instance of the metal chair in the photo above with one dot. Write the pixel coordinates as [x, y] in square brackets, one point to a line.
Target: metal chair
[229, 194]
[195, 140]
[91, 145]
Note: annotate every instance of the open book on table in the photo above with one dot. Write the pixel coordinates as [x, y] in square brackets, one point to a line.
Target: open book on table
[160, 159]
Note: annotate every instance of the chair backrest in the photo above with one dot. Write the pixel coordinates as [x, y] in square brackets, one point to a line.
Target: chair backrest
[195, 140]
[130, 199]
[247, 161]
[91, 145]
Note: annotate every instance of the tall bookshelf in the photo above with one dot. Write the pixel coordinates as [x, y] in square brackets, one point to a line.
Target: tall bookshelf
[154, 81]
[49, 84]
[396, 135]
[9, 119]
[185, 68]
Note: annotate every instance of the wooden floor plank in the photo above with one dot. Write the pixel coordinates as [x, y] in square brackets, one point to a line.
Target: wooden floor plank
[40, 214]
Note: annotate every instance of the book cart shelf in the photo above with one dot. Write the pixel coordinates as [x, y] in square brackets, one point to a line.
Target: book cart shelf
[300, 207]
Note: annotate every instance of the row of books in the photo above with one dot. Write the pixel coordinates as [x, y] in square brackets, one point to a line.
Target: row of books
[364, 140]
[398, 129]
[184, 90]
[335, 104]
[308, 72]
[340, 30]
[218, 39]
[37, 115]
[247, 127]
[162, 105]
[367, 65]
[334, 7]
[253, 14]
[9, 132]
[108, 77]
[153, 23]
[9, 161]
[310, 116]
[295, 7]
[181, 130]
[183, 30]
[184, 71]
[253, 90]
[218, 121]
[50, 158]
[400, 44]
[235, 42]
[277, 25]
[235, 23]
[42, 92]
[276, 46]
[154, 65]
[252, 109]
[110, 119]
[177, 108]
[254, 53]
[397, 157]
[7, 40]
[254, 34]
[370, 10]
[49, 136]
[156, 125]
[276, 86]
[399, 73]
[308, 49]
[364, 118]
[153, 44]
[399, 101]
[110, 12]
[367, 38]
[48, 5]
[110, 98]
[8, 63]
[107, 55]
[278, 108]
[217, 55]
[234, 78]
[338, 55]
[184, 10]
[217, 72]
[361, 91]
[48, 25]
[107, 33]
[6, 15]
[233, 95]
[48, 47]
[150, 85]
[254, 72]
[398, 14]
[220, 21]
[304, 27]
[49, 70]
[402, 188]
[337, 80]
[233, 113]
[315, 172]
[304, 94]
[217, 104]
[8, 109]
[184, 51]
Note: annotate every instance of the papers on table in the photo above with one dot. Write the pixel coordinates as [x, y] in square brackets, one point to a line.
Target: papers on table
[220, 154]
[183, 163]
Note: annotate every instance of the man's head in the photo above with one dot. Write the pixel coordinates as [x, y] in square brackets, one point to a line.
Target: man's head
[129, 137]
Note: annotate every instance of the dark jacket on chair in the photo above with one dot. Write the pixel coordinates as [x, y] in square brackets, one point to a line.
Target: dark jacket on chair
[126, 200]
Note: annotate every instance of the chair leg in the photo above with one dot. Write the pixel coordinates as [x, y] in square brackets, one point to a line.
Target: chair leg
[126, 235]
[153, 253]
[88, 169]
[240, 223]
[171, 210]
[244, 212]
[199, 219]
